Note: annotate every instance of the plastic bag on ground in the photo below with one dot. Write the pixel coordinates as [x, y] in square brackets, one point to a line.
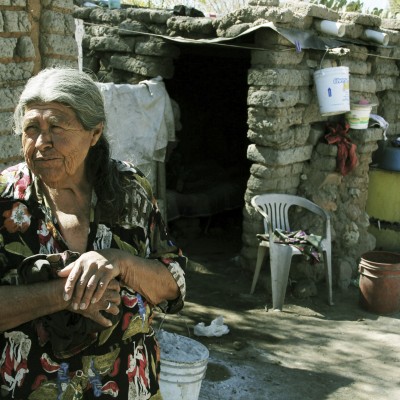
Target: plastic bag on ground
[216, 328]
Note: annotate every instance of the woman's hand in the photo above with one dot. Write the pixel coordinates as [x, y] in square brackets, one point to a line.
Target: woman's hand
[108, 303]
[89, 276]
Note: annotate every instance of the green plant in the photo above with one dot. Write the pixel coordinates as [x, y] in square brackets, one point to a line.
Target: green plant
[137, 3]
[377, 11]
[332, 4]
[358, 6]
[354, 6]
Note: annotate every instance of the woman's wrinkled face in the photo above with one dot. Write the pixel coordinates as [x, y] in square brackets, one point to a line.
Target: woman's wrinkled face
[55, 144]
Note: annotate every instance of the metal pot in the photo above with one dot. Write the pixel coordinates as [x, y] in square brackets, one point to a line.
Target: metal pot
[390, 158]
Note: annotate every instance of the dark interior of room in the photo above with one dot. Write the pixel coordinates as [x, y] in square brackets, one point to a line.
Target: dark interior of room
[207, 169]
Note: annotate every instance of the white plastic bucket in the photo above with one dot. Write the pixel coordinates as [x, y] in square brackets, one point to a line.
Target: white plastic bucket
[333, 90]
[358, 116]
[183, 366]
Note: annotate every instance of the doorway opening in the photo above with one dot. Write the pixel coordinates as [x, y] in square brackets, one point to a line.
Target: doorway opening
[207, 170]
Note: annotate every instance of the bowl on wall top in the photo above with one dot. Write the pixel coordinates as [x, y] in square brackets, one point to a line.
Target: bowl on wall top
[390, 159]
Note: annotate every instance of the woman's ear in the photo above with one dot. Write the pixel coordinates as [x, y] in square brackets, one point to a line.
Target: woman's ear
[96, 133]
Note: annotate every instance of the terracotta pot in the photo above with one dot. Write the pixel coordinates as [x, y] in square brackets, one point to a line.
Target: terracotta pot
[380, 282]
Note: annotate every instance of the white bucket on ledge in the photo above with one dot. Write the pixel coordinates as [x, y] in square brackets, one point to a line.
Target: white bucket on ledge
[358, 116]
[183, 366]
[333, 90]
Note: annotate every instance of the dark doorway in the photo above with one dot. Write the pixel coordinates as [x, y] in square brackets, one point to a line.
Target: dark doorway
[207, 170]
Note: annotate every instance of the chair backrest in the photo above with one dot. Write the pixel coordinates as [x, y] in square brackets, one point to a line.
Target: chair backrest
[274, 207]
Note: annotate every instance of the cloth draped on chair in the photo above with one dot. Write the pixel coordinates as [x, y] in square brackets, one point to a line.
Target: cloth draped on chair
[307, 244]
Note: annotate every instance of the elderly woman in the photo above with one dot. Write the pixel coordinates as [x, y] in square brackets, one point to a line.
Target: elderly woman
[85, 258]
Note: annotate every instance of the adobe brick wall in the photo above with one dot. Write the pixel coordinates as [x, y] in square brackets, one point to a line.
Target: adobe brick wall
[287, 150]
[33, 34]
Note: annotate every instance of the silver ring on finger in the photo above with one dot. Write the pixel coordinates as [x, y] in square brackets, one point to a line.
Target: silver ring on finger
[109, 305]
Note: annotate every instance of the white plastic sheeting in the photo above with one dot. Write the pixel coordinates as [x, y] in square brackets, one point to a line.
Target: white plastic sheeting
[140, 123]
[140, 120]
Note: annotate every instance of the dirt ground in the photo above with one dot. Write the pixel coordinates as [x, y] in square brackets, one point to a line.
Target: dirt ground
[309, 351]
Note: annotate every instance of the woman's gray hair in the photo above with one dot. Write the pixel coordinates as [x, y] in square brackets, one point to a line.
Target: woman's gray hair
[79, 91]
[68, 86]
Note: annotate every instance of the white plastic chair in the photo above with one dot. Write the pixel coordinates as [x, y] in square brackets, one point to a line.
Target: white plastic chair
[275, 210]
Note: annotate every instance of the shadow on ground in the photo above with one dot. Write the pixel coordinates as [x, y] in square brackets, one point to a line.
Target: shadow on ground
[309, 351]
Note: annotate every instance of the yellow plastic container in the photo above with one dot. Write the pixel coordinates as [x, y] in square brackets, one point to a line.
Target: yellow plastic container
[386, 239]
[384, 195]
[382, 205]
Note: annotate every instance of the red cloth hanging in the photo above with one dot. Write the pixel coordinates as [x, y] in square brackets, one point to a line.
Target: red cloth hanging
[346, 157]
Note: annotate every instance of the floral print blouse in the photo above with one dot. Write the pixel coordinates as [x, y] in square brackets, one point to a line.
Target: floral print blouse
[121, 361]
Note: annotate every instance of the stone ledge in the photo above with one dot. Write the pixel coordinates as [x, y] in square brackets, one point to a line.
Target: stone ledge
[268, 156]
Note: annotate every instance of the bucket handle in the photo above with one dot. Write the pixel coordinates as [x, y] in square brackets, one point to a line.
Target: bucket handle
[337, 51]
[180, 316]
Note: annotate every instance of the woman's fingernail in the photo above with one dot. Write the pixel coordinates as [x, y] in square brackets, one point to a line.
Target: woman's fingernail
[66, 296]
[75, 306]
[93, 300]
[82, 306]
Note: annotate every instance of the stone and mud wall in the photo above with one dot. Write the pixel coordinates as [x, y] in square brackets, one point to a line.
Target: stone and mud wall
[287, 151]
[34, 34]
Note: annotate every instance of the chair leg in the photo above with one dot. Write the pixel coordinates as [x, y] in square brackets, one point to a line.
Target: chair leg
[328, 264]
[260, 258]
[280, 265]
